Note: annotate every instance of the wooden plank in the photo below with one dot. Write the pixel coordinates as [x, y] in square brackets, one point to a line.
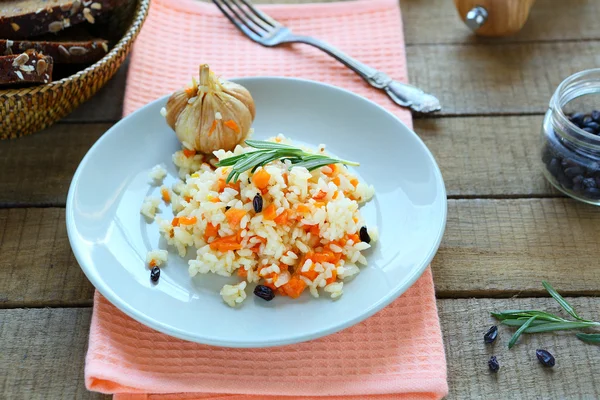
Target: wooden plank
[521, 376]
[487, 156]
[38, 169]
[491, 248]
[507, 247]
[500, 78]
[38, 267]
[44, 350]
[436, 21]
[43, 354]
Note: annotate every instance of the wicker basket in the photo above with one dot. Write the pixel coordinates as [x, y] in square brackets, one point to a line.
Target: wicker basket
[28, 110]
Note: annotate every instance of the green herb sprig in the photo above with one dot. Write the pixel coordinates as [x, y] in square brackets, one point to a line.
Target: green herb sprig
[270, 151]
[534, 321]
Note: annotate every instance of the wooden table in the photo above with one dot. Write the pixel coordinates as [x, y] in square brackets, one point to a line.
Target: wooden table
[507, 228]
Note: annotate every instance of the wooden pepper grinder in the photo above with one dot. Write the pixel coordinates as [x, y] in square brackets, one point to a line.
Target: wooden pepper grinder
[494, 17]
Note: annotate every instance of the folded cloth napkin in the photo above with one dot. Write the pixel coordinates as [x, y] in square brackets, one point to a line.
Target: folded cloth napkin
[396, 354]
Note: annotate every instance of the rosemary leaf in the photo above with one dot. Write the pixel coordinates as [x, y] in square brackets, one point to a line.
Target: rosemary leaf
[268, 152]
[519, 331]
[560, 300]
[560, 326]
[589, 337]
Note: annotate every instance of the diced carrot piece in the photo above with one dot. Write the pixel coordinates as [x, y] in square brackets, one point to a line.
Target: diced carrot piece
[270, 213]
[232, 125]
[272, 286]
[283, 267]
[314, 230]
[214, 200]
[333, 277]
[354, 237]
[261, 179]
[320, 204]
[285, 178]
[211, 231]
[213, 126]
[336, 181]
[188, 220]
[152, 263]
[189, 153]
[294, 287]
[312, 275]
[335, 195]
[320, 258]
[225, 244]
[166, 196]
[187, 198]
[242, 273]
[354, 182]
[234, 186]
[234, 216]
[264, 191]
[221, 185]
[320, 195]
[282, 218]
[333, 170]
[175, 221]
[302, 208]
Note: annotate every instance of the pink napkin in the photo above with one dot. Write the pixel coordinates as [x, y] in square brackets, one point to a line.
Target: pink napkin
[396, 354]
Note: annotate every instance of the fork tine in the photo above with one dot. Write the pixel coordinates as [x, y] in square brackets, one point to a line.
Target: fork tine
[238, 21]
[259, 22]
[261, 14]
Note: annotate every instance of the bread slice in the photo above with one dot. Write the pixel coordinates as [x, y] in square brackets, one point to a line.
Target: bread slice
[65, 51]
[21, 19]
[26, 67]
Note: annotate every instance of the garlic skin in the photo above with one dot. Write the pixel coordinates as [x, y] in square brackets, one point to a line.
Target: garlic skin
[193, 113]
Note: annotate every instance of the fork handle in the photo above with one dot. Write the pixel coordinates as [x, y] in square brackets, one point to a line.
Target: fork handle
[401, 93]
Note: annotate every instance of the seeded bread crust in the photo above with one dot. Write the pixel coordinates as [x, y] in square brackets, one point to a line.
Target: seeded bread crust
[26, 67]
[63, 52]
[21, 19]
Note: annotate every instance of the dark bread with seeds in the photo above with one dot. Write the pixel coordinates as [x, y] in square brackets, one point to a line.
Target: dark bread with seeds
[26, 67]
[65, 51]
[22, 19]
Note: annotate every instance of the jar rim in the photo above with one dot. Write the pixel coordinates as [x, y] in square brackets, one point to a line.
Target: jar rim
[557, 107]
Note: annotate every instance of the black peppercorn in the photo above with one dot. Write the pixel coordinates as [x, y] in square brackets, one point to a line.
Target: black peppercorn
[491, 335]
[364, 235]
[493, 364]
[257, 203]
[264, 292]
[155, 274]
[545, 358]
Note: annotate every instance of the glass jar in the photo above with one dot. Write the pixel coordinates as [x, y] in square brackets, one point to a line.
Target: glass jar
[571, 137]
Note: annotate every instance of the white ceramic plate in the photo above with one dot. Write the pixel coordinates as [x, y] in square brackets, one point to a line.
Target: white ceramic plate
[110, 238]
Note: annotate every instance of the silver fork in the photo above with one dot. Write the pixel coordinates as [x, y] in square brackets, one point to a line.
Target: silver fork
[266, 31]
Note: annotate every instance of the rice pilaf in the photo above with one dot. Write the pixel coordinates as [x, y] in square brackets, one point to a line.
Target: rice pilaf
[286, 228]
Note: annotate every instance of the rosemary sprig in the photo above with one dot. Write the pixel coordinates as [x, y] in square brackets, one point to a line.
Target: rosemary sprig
[534, 321]
[267, 152]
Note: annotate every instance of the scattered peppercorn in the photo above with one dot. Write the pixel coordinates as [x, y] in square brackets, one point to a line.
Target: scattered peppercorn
[491, 335]
[257, 203]
[364, 235]
[545, 358]
[155, 274]
[264, 292]
[227, 208]
[493, 364]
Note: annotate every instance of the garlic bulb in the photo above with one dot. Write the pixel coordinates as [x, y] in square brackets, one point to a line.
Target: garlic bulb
[211, 115]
